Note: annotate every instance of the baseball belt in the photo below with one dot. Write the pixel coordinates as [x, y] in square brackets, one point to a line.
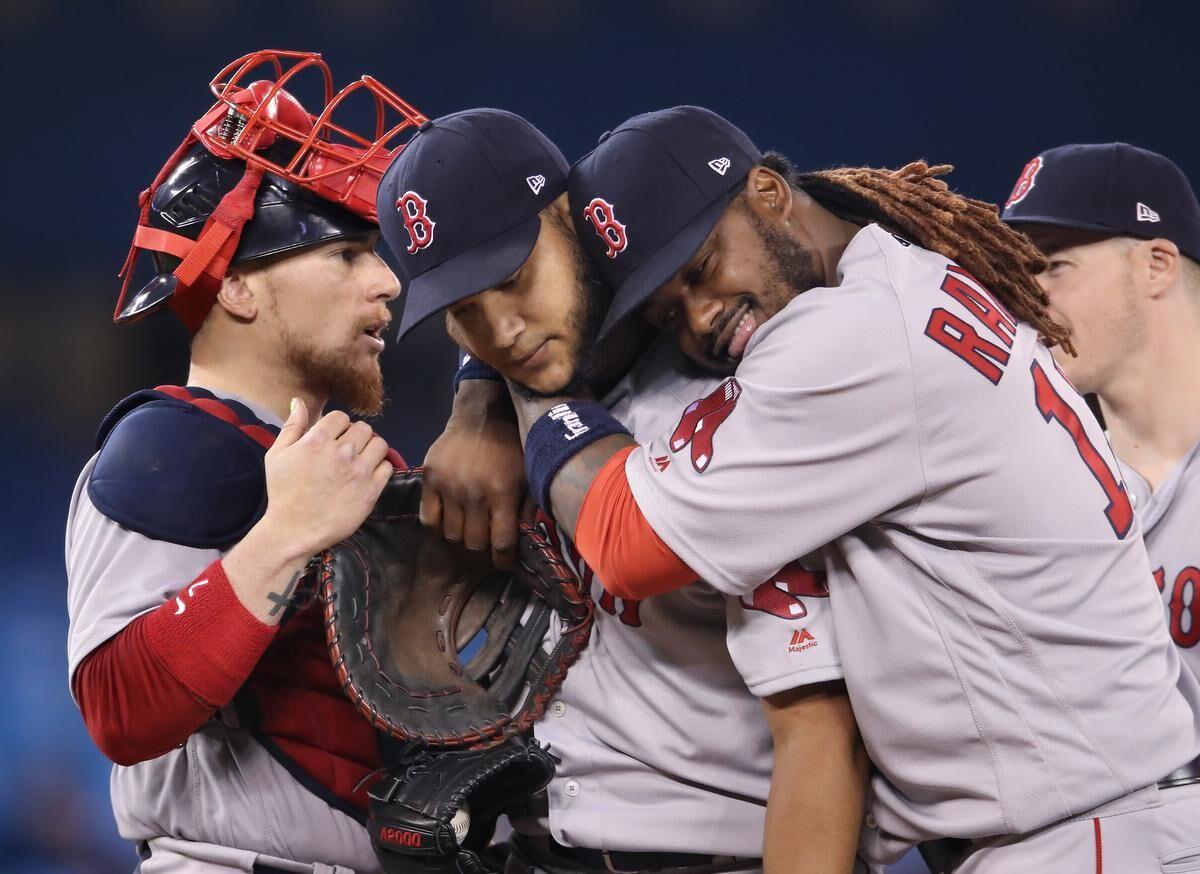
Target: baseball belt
[944, 855]
[548, 854]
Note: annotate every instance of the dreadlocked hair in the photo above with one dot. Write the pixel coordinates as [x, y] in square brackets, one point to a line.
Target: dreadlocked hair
[919, 206]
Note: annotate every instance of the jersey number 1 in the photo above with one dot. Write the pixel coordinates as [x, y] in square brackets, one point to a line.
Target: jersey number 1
[1051, 405]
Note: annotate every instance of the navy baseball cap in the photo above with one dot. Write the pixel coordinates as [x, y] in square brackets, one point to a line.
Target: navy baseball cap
[1112, 188]
[650, 193]
[459, 205]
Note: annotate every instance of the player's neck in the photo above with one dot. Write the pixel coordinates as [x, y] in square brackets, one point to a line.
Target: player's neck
[1152, 409]
[241, 369]
[826, 235]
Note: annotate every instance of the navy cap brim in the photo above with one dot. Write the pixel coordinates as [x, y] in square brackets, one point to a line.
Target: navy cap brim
[1061, 222]
[642, 282]
[478, 269]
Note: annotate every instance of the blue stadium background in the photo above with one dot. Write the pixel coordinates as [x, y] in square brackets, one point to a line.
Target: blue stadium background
[99, 94]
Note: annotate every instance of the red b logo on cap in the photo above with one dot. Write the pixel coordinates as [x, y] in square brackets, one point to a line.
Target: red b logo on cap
[419, 225]
[600, 213]
[1024, 182]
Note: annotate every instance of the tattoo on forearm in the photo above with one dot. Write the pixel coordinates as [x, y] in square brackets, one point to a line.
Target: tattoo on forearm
[291, 596]
[574, 479]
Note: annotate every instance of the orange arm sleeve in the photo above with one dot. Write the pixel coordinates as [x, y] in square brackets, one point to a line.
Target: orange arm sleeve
[618, 543]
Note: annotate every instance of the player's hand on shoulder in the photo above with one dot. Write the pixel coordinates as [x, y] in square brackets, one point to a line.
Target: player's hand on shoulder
[323, 478]
[474, 482]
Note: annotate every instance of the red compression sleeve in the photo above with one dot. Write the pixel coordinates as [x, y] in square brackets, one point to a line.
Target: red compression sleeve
[618, 543]
[119, 684]
[156, 681]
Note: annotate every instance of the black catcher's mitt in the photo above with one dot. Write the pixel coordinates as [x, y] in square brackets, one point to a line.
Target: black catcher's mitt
[436, 812]
[440, 647]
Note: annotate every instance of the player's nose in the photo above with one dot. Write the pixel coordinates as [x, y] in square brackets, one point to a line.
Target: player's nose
[384, 285]
[504, 323]
[702, 314]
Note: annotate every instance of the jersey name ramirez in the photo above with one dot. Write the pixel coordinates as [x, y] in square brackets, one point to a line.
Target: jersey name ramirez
[988, 354]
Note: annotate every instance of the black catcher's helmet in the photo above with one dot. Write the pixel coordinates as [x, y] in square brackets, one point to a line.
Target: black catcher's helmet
[257, 175]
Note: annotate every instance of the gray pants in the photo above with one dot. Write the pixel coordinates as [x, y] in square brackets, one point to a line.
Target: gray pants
[174, 856]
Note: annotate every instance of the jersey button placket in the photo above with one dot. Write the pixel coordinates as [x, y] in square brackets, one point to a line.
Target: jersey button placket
[559, 709]
[571, 788]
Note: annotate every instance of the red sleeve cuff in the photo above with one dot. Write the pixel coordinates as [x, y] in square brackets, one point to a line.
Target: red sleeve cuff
[618, 543]
[207, 639]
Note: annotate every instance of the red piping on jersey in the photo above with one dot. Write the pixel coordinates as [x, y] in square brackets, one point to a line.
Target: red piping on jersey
[180, 662]
[1099, 847]
[618, 543]
[222, 411]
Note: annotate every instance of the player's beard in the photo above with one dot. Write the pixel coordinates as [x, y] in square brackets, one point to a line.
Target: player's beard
[791, 268]
[592, 298]
[339, 374]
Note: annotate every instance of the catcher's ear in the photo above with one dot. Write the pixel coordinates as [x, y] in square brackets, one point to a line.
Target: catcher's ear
[239, 294]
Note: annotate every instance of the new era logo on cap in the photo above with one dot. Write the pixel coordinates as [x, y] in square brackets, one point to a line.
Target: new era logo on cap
[1146, 214]
[720, 165]
[535, 183]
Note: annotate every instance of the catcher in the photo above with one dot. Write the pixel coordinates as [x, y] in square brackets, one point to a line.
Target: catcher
[196, 657]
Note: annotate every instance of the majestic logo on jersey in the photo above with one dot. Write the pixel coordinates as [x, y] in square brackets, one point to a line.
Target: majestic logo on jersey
[700, 421]
[414, 208]
[535, 183]
[781, 595]
[1146, 214]
[662, 462]
[181, 607]
[1024, 182]
[600, 213]
[720, 165]
[801, 640]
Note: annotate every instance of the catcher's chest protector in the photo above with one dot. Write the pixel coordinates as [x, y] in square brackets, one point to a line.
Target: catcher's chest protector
[182, 465]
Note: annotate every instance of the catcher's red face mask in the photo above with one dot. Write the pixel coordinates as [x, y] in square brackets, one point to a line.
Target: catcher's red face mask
[248, 119]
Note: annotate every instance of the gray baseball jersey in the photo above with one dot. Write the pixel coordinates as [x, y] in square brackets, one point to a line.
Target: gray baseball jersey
[1004, 652]
[222, 787]
[664, 744]
[1170, 517]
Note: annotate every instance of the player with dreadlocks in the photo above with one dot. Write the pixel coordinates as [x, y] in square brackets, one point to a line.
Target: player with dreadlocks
[892, 404]
[920, 206]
